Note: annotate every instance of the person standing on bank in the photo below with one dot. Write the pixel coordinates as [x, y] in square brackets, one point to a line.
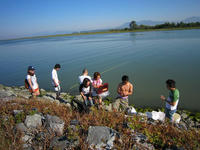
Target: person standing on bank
[83, 76]
[124, 89]
[172, 100]
[32, 82]
[55, 80]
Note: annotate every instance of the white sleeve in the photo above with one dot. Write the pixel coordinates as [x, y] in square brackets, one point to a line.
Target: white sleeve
[28, 77]
[53, 75]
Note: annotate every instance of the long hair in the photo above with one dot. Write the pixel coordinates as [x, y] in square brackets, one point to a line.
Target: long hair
[96, 74]
[85, 81]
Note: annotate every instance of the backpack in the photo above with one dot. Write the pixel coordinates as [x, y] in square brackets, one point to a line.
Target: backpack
[26, 84]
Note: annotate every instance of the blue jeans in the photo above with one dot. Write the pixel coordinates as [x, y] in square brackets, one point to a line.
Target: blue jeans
[169, 113]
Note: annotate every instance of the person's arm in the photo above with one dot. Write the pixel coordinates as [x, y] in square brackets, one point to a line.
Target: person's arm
[81, 93]
[53, 78]
[83, 96]
[37, 83]
[95, 85]
[130, 92]
[55, 83]
[90, 92]
[119, 90]
[173, 103]
[30, 83]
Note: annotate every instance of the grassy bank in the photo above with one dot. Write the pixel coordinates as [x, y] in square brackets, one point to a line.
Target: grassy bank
[106, 32]
[160, 135]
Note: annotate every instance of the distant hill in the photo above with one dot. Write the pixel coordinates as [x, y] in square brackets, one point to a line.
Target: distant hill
[153, 23]
[191, 19]
[144, 22]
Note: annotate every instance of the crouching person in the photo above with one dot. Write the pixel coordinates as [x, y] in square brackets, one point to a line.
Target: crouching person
[32, 82]
[172, 100]
[85, 91]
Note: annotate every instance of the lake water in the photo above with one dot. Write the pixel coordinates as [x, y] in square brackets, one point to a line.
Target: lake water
[148, 58]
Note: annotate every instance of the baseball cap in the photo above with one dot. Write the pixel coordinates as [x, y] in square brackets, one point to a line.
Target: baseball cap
[31, 68]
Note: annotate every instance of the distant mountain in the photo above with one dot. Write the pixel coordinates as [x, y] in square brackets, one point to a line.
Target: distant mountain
[45, 33]
[150, 22]
[144, 22]
[125, 25]
[153, 23]
[95, 30]
[191, 19]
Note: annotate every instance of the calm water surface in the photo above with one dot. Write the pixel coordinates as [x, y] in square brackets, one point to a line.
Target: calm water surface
[148, 58]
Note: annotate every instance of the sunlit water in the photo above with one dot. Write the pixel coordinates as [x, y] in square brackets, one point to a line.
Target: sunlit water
[148, 58]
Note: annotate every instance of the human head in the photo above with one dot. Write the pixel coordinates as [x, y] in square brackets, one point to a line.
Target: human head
[86, 82]
[170, 84]
[31, 70]
[125, 79]
[57, 67]
[85, 71]
[97, 75]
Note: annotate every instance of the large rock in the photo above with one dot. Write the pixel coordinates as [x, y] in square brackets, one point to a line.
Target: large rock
[7, 95]
[21, 127]
[49, 98]
[184, 116]
[141, 142]
[55, 124]
[27, 139]
[60, 143]
[100, 136]
[33, 121]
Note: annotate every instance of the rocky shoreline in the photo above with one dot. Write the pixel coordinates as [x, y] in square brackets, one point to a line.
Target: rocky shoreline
[64, 126]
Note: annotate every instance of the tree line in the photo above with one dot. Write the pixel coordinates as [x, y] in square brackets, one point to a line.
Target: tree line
[133, 25]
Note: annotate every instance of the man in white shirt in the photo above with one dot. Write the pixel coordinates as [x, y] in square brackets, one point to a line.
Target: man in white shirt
[55, 80]
[83, 76]
[32, 82]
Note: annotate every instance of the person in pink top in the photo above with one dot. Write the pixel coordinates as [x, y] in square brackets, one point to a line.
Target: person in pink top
[96, 83]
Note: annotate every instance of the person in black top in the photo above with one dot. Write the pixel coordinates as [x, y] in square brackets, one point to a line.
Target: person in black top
[85, 91]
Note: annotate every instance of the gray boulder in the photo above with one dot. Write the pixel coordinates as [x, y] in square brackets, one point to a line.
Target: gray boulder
[100, 136]
[21, 127]
[27, 139]
[60, 143]
[49, 97]
[55, 124]
[184, 116]
[33, 121]
[141, 142]
[7, 95]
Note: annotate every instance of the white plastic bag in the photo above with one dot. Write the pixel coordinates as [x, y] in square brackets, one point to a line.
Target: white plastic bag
[131, 110]
[156, 115]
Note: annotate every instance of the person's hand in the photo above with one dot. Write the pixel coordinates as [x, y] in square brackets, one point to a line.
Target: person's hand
[56, 85]
[162, 98]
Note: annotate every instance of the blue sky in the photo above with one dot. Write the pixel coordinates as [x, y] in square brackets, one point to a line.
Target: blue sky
[20, 18]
